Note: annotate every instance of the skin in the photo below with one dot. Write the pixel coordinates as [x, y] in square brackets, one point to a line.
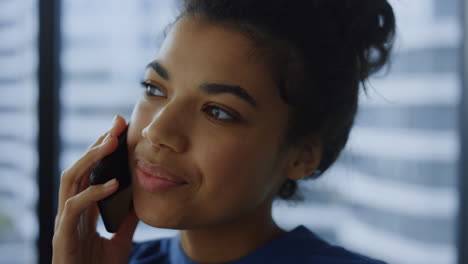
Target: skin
[75, 237]
[233, 169]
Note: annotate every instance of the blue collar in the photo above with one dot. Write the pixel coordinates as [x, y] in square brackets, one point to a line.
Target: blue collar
[264, 254]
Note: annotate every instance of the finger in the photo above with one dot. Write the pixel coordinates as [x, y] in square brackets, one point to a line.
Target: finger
[76, 178]
[99, 140]
[93, 216]
[75, 206]
[84, 183]
[118, 125]
[71, 179]
[88, 219]
[125, 233]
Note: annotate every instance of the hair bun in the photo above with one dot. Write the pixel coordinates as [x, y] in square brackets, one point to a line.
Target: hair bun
[371, 31]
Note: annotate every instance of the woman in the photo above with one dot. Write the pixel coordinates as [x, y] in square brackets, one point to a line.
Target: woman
[244, 100]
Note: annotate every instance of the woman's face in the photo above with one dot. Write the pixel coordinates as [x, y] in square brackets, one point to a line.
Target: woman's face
[213, 117]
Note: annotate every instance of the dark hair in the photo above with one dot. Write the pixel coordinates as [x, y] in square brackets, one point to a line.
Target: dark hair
[320, 52]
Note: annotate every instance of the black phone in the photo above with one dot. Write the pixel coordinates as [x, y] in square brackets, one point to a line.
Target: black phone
[114, 208]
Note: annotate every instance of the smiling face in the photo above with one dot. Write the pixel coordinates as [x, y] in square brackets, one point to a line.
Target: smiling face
[211, 114]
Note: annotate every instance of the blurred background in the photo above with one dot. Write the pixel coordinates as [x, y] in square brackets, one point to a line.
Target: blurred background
[67, 67]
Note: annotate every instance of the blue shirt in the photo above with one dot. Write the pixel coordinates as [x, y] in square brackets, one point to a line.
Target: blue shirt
[297, 246]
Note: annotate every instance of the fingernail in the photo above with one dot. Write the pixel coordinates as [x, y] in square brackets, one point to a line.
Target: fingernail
[114, 120]
[110, 183]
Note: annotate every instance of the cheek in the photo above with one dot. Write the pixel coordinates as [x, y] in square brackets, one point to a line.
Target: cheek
[237, 168]
[139, 119]
[238, 177]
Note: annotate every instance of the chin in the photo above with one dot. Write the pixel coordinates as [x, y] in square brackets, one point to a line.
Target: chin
[158, 224]
[154, 220]
[158, 216]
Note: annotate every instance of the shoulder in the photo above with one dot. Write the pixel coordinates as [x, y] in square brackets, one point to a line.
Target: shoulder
[316, 250]
[303, 246]
[150, 251]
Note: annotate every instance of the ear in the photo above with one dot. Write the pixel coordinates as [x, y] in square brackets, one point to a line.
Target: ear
[304, 160]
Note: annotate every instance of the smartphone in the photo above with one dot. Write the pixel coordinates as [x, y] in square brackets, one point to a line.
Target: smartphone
[114, 208]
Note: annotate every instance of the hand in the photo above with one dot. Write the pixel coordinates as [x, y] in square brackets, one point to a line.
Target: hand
[75, 237]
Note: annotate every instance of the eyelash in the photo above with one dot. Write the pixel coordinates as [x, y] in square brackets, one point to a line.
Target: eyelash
[233, 117]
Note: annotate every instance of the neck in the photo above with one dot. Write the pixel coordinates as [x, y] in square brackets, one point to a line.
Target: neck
[231, 241]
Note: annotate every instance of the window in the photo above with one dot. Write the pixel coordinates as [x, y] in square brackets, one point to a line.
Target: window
[18, 132]
[106, 47]
[392, 194]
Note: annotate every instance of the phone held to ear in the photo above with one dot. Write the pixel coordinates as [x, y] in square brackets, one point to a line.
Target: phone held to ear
[114, 208]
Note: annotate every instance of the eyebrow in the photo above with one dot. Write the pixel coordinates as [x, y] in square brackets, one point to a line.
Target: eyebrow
[210, 88]
[217, 88]
[158, 69]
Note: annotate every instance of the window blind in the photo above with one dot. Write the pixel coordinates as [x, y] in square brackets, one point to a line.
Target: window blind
[18, 131]
[393, 193]
[105, 48]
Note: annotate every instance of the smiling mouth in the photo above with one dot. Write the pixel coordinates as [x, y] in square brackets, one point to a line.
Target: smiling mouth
[156, 179]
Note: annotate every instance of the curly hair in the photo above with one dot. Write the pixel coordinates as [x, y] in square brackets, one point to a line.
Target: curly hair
[320, 52]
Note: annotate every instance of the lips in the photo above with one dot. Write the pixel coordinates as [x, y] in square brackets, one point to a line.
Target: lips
[154, 178]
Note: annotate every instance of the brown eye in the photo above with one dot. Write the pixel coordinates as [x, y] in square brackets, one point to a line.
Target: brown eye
[220, 114]
[151, 90]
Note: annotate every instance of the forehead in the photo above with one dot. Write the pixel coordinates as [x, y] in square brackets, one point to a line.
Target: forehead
[205, 52]
[191, 36]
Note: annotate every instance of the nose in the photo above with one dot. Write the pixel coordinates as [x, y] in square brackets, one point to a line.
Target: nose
[166, 129]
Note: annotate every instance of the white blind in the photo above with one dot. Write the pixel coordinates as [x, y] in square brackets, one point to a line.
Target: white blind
[392, 194]
[105, 48]
[18, 131]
